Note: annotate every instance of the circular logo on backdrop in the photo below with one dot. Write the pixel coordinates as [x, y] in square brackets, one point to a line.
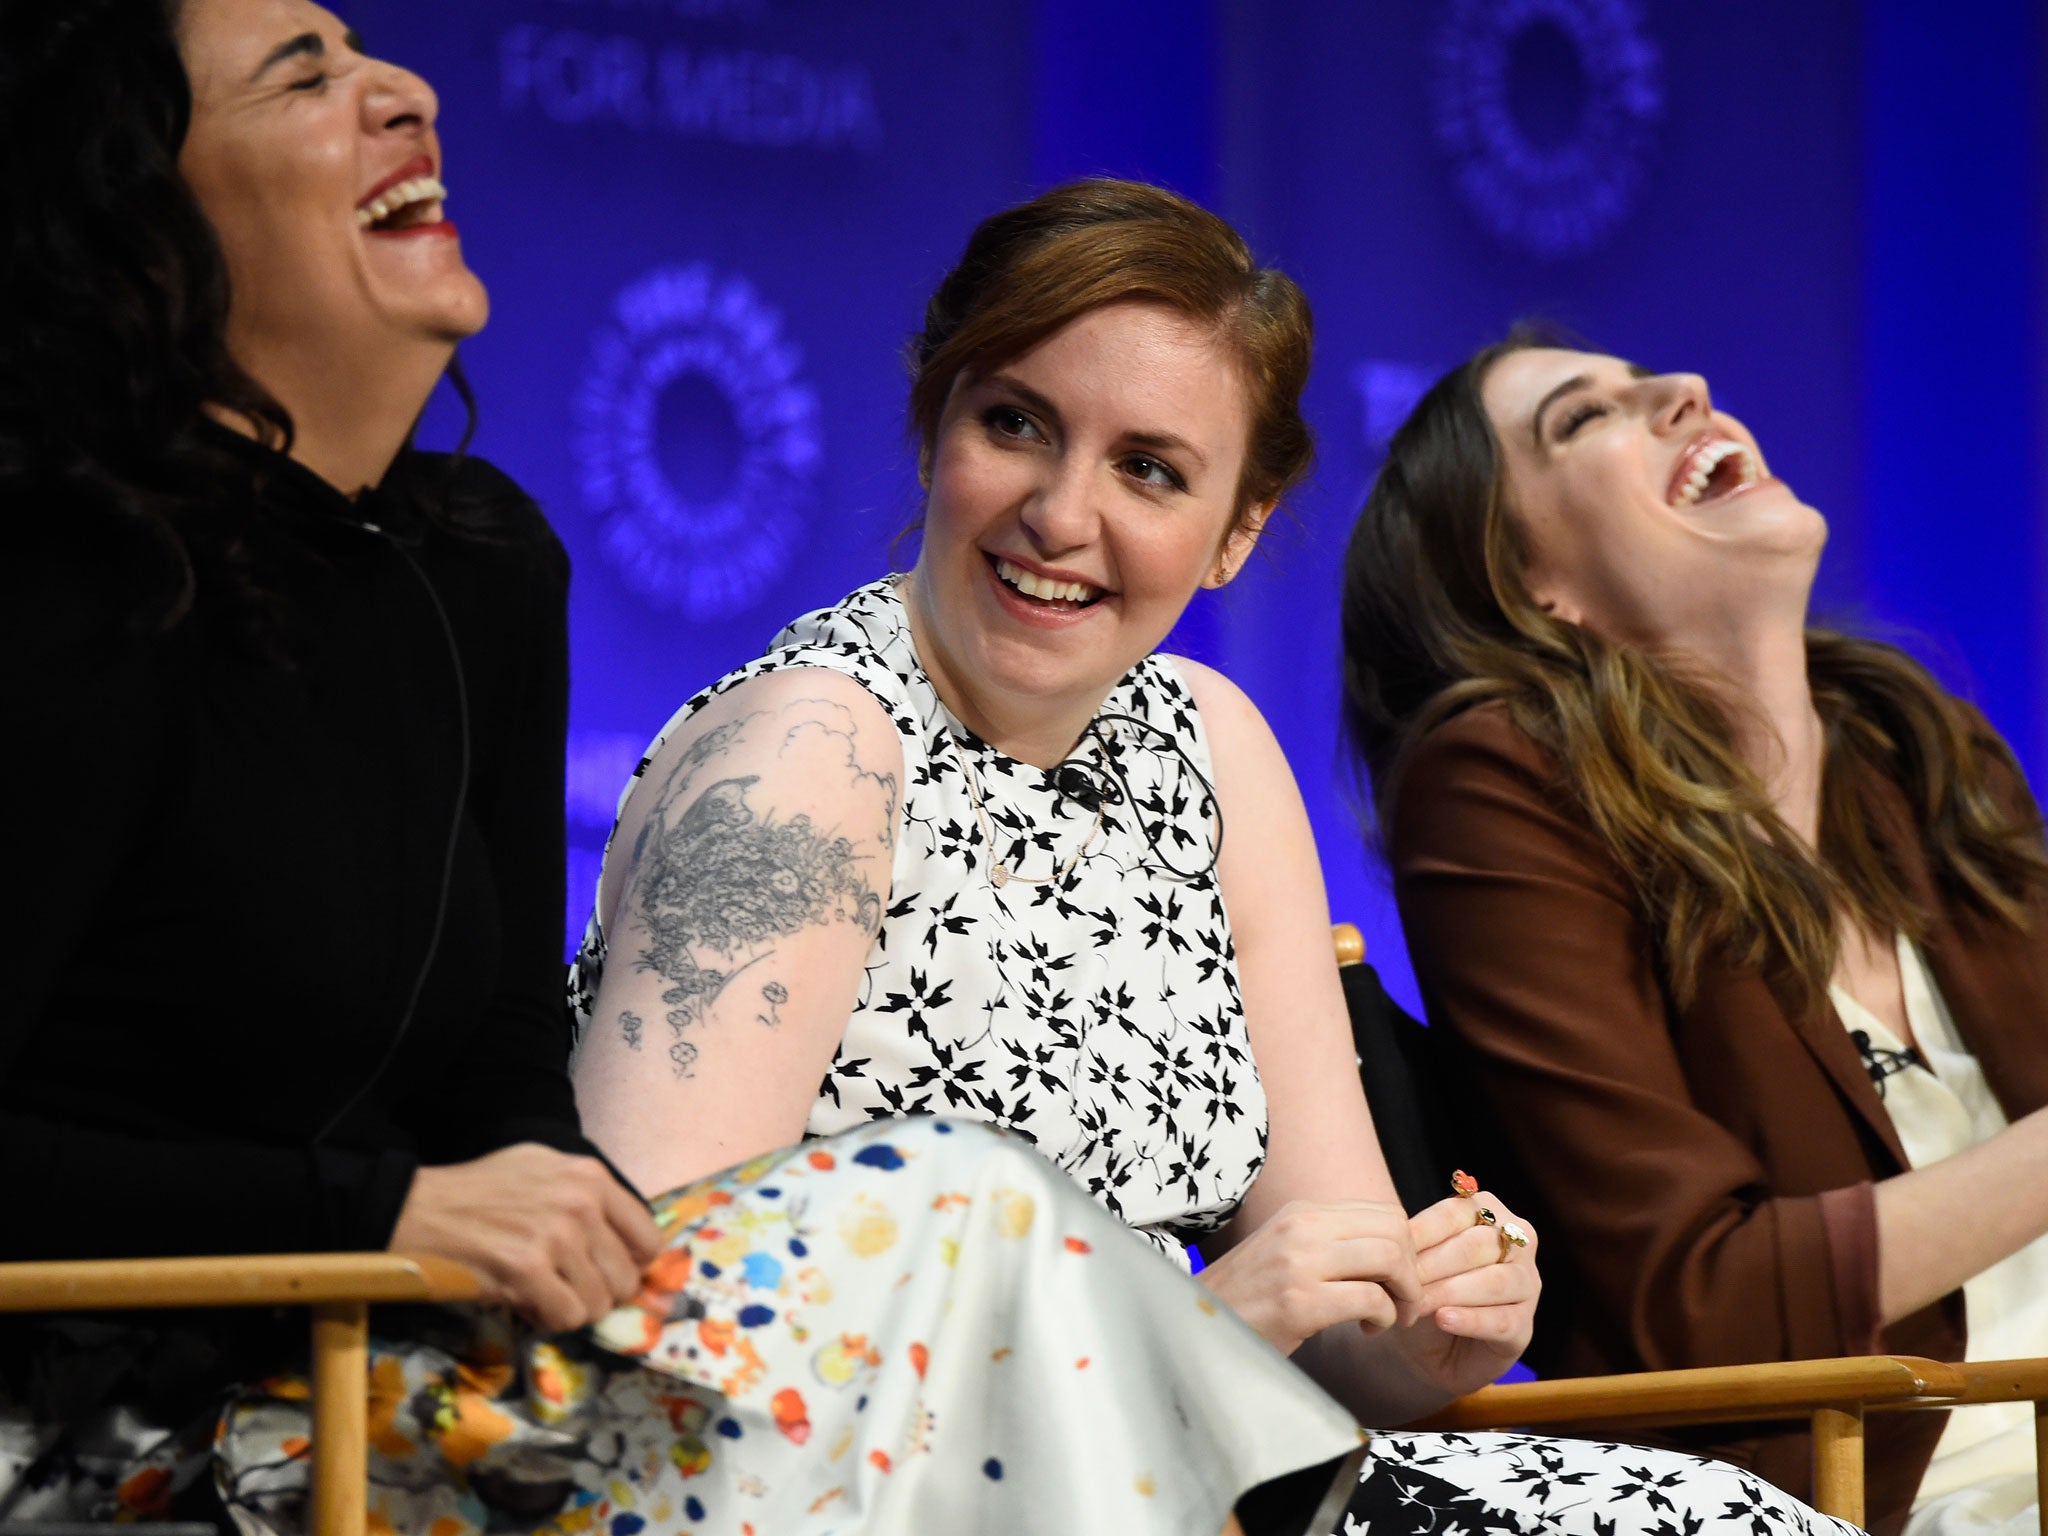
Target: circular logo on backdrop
[698, 441]
[1548, 109]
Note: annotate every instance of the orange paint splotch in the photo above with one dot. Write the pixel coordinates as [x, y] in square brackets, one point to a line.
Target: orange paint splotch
[791, 1416]
[824, 1162]
[920, 1357]
[476, 1428]
[1076, 1245]
[880, 1459]
[148, 1492]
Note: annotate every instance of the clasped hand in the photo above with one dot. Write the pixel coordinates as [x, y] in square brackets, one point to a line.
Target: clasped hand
[552, 1236]
[1437, 1282]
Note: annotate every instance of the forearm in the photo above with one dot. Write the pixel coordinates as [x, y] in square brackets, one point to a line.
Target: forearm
[1939, 1225]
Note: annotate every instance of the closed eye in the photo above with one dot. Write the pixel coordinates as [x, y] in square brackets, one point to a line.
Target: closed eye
[313, 82]
[1142, 466]
[1580, 415]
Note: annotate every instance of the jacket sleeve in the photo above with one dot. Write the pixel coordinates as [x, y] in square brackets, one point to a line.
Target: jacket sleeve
[1526, 940]
[91, 709]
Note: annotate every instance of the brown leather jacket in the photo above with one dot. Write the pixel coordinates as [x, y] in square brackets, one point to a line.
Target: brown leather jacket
[1702, 1179]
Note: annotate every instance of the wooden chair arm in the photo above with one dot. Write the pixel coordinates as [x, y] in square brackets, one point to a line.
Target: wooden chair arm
[1709, 1394]
[2001, 1381]
[256, 1280]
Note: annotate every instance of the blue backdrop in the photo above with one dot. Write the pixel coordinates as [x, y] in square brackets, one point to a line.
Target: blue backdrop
[708, 225]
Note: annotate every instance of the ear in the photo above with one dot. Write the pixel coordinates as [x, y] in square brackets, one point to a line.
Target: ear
[1238, 545]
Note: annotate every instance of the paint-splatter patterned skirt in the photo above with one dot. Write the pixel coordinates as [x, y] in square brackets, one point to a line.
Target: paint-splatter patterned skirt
[915, 1326]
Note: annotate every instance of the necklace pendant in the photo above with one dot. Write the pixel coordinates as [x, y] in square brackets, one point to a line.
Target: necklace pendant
[999, 876]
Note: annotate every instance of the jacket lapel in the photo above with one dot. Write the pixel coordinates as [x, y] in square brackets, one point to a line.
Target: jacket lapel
[1993, 978]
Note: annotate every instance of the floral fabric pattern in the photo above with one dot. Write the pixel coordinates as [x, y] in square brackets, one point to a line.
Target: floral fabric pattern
[1097, 1016]
[1527, 1485]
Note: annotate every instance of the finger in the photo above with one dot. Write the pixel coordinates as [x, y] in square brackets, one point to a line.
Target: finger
[1477, 1247]
[1506, 1326]
[1497, 1285]
[616, 1267]
[536, 1291]
[578, 1269]
[1445, 1220]
[1353, 1301]
[1379, 1261]
[628, 1216]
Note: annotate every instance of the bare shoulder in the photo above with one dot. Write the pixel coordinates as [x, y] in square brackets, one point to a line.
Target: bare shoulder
[1232, 722]
[805, 749]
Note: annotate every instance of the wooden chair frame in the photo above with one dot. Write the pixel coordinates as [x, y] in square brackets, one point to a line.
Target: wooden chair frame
[337, 1288]
[1834, 1396]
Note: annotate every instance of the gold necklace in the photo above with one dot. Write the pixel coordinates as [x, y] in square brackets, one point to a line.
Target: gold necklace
[1000, 874]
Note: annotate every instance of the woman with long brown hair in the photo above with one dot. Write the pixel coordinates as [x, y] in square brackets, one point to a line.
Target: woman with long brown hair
[1737, 924]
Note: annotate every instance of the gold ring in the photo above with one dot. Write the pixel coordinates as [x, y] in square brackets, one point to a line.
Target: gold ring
[1511, 1237]
[1487, 1218]
[1462, 1183]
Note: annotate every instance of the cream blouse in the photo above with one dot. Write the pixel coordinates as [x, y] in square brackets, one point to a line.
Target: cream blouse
[1938, 1110]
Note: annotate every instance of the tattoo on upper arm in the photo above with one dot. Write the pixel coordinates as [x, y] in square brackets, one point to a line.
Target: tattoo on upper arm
[718, 878]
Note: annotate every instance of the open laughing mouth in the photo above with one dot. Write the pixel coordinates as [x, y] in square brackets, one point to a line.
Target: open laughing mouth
[1713, 467]
[1044, 591]
[411, 200]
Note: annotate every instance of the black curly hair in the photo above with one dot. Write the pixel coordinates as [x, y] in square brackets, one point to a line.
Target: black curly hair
[114, 296]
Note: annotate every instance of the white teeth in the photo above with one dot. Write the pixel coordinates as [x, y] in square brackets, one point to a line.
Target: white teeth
[421, 189]
[1031, 584]
[1710, 459]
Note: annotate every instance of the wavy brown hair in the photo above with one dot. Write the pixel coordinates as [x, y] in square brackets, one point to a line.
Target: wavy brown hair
[1032, 269]
[1438, 618]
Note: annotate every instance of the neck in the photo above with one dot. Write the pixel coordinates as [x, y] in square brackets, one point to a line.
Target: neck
[1778, 730]
[1037, 731]
[350, 415]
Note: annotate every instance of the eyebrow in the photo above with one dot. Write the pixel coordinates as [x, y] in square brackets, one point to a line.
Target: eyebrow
[305, 45]
[1572, 385]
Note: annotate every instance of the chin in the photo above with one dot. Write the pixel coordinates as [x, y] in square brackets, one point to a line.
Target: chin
[459, 313]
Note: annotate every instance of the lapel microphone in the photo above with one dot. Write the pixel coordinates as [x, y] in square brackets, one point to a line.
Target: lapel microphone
[1072, 782]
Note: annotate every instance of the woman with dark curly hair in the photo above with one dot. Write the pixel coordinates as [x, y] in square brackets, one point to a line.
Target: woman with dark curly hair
[1740, 925]
[288, 700]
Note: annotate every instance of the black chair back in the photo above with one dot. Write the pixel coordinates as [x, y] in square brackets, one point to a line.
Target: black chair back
[1400, 1063]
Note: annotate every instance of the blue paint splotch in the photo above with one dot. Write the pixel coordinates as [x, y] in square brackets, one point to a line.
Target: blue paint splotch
[881, 1156]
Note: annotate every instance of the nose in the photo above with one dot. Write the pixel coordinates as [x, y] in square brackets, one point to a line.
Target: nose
[1060, 513]
[398, 101]
[1677, 400]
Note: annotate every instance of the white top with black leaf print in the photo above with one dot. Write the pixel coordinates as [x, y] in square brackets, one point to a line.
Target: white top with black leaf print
[1098, 1016]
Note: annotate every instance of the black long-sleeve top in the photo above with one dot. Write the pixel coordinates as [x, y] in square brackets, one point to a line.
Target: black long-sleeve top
[226, 872]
